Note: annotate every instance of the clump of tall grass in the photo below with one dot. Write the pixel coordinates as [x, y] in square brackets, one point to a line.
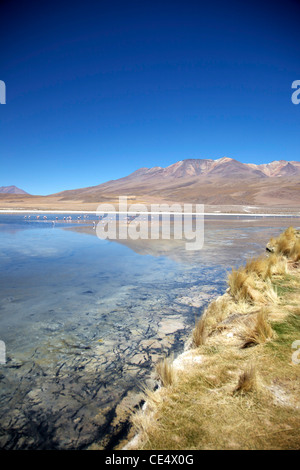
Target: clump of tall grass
[295, 251]
[259, 266]
[287, 244]
[241, 285]
[269, 293]
[259, 332]
[276, 265]
[252, 283]
[199, 332]
[165, 371]
[264, 267]
[216, 312]
[247, 381]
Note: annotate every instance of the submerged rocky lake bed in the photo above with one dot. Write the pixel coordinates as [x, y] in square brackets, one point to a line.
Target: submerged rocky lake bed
[85, 320]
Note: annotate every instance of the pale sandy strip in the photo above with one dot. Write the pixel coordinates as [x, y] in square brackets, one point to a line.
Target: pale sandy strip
[26, 211]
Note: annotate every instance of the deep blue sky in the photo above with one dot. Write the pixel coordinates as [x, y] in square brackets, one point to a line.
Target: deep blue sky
[97, 89]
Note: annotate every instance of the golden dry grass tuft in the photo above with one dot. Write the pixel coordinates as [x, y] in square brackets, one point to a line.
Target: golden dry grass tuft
[287, 244]
[241, 285]
[252, 283]
[247, 381]
[165, 371]
[295, 251]
[258, 331]
[199, 332]
[258, 266]
[276, 265]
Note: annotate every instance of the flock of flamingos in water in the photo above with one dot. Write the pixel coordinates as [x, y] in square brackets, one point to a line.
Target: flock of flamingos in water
[79, 218]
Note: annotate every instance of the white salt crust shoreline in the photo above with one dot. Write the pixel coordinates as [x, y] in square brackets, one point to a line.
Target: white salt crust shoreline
[229, 214]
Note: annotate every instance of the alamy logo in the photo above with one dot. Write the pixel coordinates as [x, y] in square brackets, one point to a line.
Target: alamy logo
[2, 92]
[2, 352]
[162, 221]
[296, 94]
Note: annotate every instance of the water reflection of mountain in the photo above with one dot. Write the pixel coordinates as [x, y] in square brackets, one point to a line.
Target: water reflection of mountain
[173, 249]
[225, 239]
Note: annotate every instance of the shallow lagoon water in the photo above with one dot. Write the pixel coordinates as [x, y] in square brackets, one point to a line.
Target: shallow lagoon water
[84, 320]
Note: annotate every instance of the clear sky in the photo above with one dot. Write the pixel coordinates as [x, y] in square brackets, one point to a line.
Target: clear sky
[98, 89]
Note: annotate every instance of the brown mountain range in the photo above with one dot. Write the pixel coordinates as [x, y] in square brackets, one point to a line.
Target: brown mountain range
[212, 182]
[222, 181]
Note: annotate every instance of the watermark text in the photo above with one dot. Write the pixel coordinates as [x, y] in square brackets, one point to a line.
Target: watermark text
[2, 92]
[2, 352]
[161, 221]
[296, 94]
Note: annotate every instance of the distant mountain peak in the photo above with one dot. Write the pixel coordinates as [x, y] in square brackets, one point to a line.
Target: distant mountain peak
[11, 190]
[224, 160]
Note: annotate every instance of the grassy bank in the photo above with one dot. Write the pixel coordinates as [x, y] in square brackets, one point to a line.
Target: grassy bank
[237, 386]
